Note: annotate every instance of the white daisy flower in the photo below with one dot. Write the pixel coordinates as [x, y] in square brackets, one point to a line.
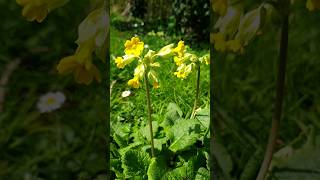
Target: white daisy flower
[126, 93]
[50, 101]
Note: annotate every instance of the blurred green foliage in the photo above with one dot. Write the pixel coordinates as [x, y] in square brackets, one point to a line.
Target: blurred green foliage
[28, 139]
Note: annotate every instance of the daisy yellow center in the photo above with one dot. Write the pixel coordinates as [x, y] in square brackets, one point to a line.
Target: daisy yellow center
[51, 101]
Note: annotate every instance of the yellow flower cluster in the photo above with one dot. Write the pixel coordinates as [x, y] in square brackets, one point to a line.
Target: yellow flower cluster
[133, 51]
[38, 9]
[92, 38]
[182, 58]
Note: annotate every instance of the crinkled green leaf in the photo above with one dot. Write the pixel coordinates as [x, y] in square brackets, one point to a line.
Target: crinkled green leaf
[202, 174]
[173, 113]
[159, 142]
[184, 133]
[203, 116]
[135, 163]
[145, 131]
[157, 169]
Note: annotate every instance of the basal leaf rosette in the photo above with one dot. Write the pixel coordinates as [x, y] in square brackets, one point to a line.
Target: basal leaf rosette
[146, 64]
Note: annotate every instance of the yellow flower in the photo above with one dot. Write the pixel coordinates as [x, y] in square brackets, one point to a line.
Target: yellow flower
[134, 46]
[38, 9]
[156, 85]
[152, 75]
[234, 45]
[123, 61]
[83, 71]
[80, 64]
[205, 59]
[139, 71]
[34, 9]
[313, 5]
[178, 60]
[134, 82]
[219, 41]
[220, 6]
[180, 49]
[165, 51]
[183, 71]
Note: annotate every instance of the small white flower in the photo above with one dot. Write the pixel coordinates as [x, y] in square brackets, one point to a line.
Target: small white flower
[50, 101]
[126, 93]
[146, 46]
[135, 25]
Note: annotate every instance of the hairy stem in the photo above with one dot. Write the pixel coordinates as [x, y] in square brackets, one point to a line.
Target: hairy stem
[197, 92]
[149, 112]
[279, 99]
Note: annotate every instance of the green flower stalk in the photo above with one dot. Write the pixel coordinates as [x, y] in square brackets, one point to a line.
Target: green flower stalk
[181, 59]
[149, 113]
[196, 101]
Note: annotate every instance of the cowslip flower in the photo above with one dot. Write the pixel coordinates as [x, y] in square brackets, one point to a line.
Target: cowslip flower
[153, 77]
[50, 101]
[234, 45]
[180, 49]
[220, 6]
[178, 60]
[139, 71]
[219, 41]
[38, 9]
[205, 59]
[125, 60]
[313, 5]
[94, 28]
[183, 71]
[134, 82]
[165, 51]
[134, 46]
[80, 65]
[92, 37]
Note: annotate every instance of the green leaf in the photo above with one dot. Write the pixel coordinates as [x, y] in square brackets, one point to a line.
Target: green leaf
[202, 174]
[159, 142]
[173, 113]
[145, 130]
[184, 133]
[223, 158]
[135, 163]
[203, 116]
[157, 169]
[252, 166]
[119, 140]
